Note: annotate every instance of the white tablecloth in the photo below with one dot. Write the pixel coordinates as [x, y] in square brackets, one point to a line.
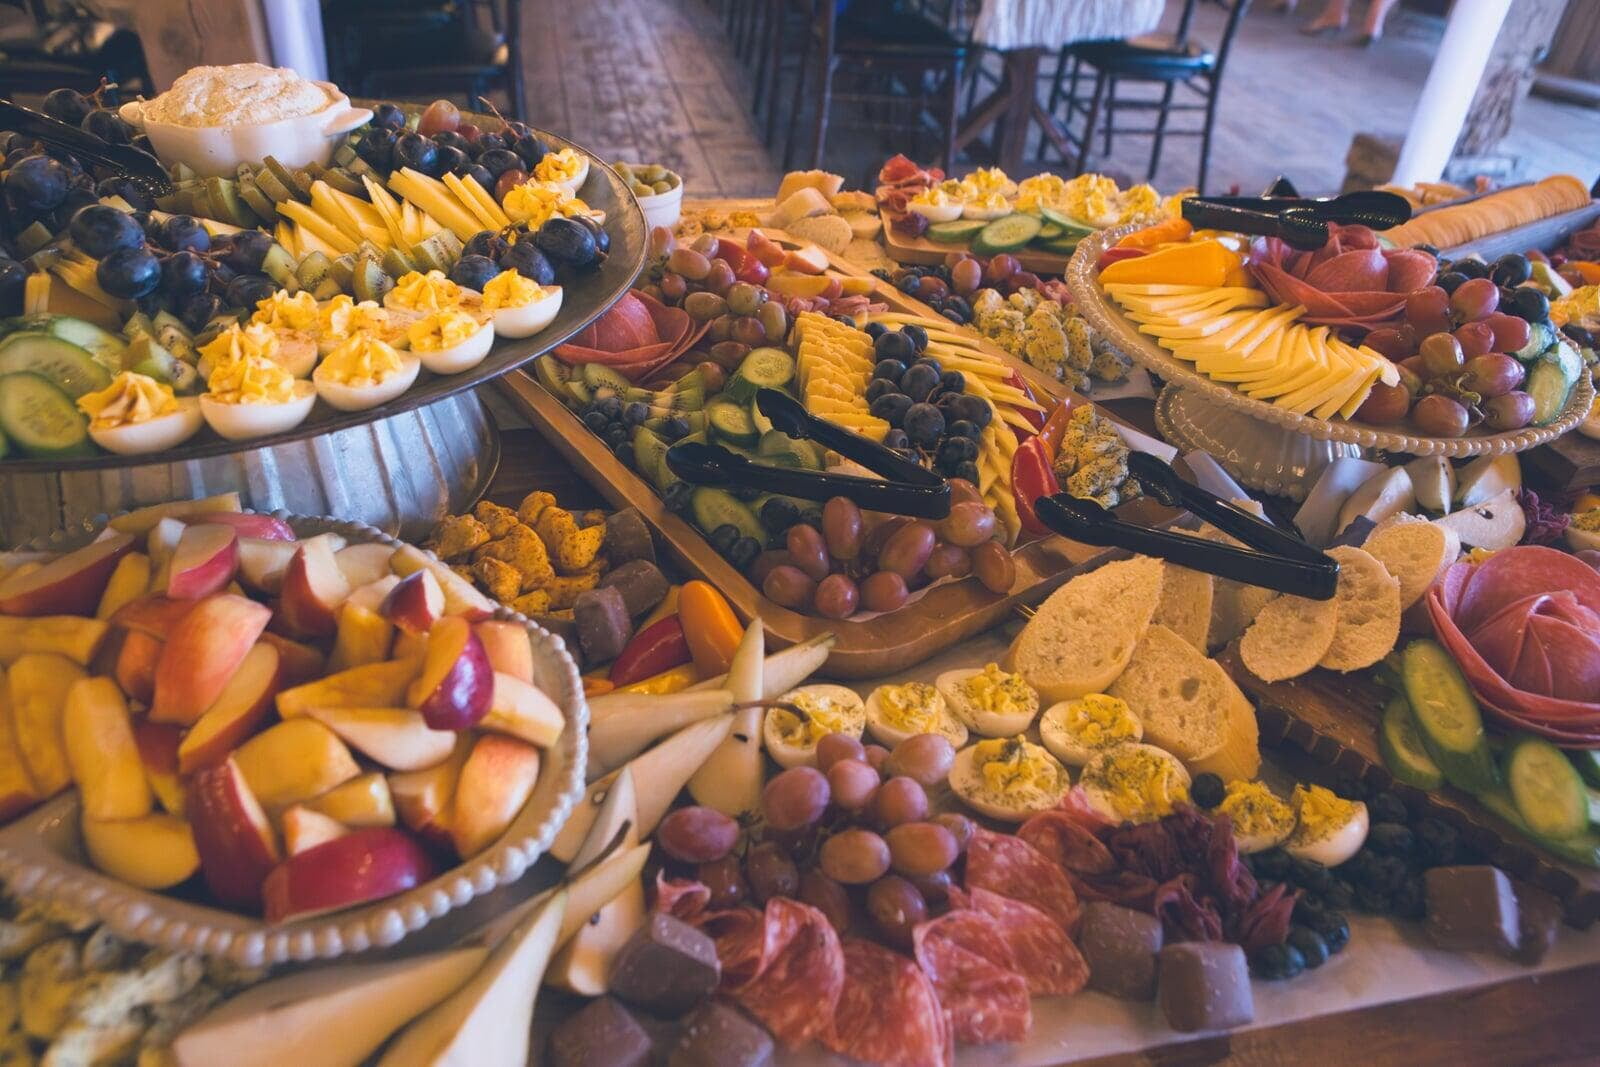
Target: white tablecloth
[1050, 24]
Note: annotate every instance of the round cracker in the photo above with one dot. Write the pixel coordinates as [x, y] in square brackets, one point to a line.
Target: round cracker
[1368, 599]
[1290, 635]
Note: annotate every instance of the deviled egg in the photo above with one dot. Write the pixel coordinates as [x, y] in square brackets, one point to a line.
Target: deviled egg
[293, 317]
[988, 700]
[827, 709]
[987, 180]
[424, 293]
[565, 167]
[253, 397]
[518, 306]
[1134, 782]
[1076, 730]
[136, 414]
[985, 206]
[1328, 829]
[257, 339]
[1261, 819]
[450, 341]
[1008, 778]
[896, 712]
[342, 318]
[936, 205]
[363, 373]
[536, 202]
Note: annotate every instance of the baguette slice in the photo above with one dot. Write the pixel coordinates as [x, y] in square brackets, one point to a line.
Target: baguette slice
[820, 180]
[1289, 637]
[1368, 597]
[1180, 695]
[1082, 637]
[1416, 552]
[1234, 605]
[1185, 606]
[1239, 758]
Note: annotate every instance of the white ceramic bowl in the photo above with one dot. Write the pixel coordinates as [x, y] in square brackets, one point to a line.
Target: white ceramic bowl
[663, 209]
[42, 858]
[217, 151]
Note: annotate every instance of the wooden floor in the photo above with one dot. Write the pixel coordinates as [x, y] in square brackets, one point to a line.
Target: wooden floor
[656, 81]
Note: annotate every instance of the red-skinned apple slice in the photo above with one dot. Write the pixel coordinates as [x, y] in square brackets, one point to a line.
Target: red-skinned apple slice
[313, 589]
[495, 782]
[157, 616]
[398, 738]
[461, 597]
[306, 829]
[236, 844]
[364, 563]
[262, 562]
[70, 584]
[509, 649]
[415, 603]
[423, 799]
[521, 710]
[202, 654]
[135, 670]
[352, 869]
[204, 562]
[241, 707]
[265, 527]
[301, 663]
[456, 685]
[158, 751]
[372, 595]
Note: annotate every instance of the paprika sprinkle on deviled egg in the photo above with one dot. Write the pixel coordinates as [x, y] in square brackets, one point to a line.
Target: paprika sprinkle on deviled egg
[1261, 819]
[1076, 730]
[253, 397]
[1008, 778]
[240, 340]
[293, 317]
[1134, 782]
[988, 700]
[519, 306]
[1329, 828]
[342, 318]
[364, 372]
[897, 712]
[424, 292]
[450, 341]
[136, 414]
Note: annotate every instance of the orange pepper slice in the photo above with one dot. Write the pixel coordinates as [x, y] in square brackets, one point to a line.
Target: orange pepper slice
[710, 625]
[671, 681]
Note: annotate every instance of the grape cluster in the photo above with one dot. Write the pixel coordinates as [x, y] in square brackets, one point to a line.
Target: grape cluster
[560, 248]
[444, 144]
[852, 837]
[718, 282]
[950, 288]
[927, 408]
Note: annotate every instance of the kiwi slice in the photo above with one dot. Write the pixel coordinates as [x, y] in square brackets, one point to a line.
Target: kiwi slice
[271, 187]
[285, 178]
[258, 201]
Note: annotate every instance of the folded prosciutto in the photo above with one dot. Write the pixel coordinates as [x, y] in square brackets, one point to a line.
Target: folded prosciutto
[1349, 282]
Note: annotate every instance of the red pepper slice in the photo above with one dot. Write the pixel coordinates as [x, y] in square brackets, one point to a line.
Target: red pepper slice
[1117, 255]
[658, 647]
[1032, 478]
[1055, 428]
[1035, 418]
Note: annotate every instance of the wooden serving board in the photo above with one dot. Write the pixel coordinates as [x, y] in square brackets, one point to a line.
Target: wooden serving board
[1333, 718]
[1543, 234]
[920, 250]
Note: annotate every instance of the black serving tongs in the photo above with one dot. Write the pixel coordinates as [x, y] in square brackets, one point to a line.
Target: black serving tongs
[124, 159]
[1273, 559]
[1302, 222]
[909, 488]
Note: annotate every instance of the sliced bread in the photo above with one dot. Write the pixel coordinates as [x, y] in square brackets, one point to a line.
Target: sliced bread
[1416, 552]
[1185, 606]
[1239, 757]
[1179, 694]
[1368, 599]
[820, 180]
[1082, 637]
[1234, 605]
[1289, 637]
[828, 231]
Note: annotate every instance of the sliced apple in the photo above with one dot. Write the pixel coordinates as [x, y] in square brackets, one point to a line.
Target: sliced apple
[161, 543]
[731, 778]
[507, 645]
[372, 594]
[204, 562]
[398, 738]
[128, 581]
[155, 615]
[583, 964]
[237, 846]
[70, 584]
[155, 851]
[334, 1016]
[305, 829]
[424, 799]
[76, 638]
[301, 662]
[364, 563]
[313, 589]
[521, 710]
[381, 684]
[808, 260]
[415, 603]
[495, 783]
[351, 869]
[363, 801]
[37, 687]
[294, 761]
[202, 654]
[17, 791]
[456, 686]
[409, 646]
[101, 751]
[247, 524]
[242, 706]
[363, 636]
[623, 725]
[158, 752]
[461, 597]
[262, 562]
[142, 521]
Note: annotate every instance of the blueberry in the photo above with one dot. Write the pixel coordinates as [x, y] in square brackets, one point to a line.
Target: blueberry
[388, 117]
[567, 243]
[1276, 962]
[1309, 908]
[744, 552]
[106, 126]
[896, 439]
[919, 382]
[525, 258]
[1371, 899]
[486, 243]
[1472, 268]
[37, 183]
[1530, 304]
[675, 427]
[1339, 894]
[1450, 281]
[968, 471]
[616, 434]
[778, 514]
[1333, 928]
[1309, 875]
[247, 251]
[611, 407]
[1386, 807]
[1512, 269]
[596, 420]
[1273, 863]
[1388, 873]
[876, 330]
[13, 282]
[1438, 843]
[635, 413]
[1312, 948]
[724, 537]
[1410, 899]
[1207, 790]
[183, 273]
[1392, 839]
[678, 497]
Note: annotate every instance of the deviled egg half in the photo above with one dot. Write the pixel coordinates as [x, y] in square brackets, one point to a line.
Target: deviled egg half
[424, 293]
[519, 306]
[363, 373]
[1261, 819]
[254, 397]
[988, 700]
[1075, 731]
[293, 318]
[1008, 778]
[1328, 828]
[342, 318]
[256, 339]
[898, 712]
[565, 167]
[136, 414]
[825, 709]
[1134, 782]
[985, 206]
[936, 205]
[450, 341]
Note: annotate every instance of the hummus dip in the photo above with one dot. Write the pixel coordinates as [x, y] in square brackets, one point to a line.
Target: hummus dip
[243, 94]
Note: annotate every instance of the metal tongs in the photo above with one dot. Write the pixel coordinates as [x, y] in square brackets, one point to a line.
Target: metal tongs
[124, 159]
[909, 488]
[1274, 559]
[1302, 222]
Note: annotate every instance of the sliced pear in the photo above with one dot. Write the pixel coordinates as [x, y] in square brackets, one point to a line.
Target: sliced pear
[622, 729]
[730, 779]
[782, 670]
[583, 964]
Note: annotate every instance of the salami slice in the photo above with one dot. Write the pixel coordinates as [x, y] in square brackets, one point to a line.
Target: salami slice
[983, 997]
[1063, 838]
[795, 992]
[740, 937]
[681, 898]
[888, 1012]
[1042, 952]
[1011, 867]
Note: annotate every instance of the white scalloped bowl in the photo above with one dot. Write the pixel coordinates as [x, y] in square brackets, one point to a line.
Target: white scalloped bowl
[41, 854]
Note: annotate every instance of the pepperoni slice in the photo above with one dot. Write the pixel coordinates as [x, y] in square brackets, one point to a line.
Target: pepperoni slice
[970, 964]
[1043, 953]
[1065, 840]
[1013, 868]
[888, 1012]
[794, 992]
[681, 898]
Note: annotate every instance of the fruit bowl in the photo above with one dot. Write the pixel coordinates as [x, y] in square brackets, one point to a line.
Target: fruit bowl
[42, 853]
[1122, 332]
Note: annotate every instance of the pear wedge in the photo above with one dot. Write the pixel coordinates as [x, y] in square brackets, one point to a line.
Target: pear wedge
[620, 730]
[583, 964]
[730, 779]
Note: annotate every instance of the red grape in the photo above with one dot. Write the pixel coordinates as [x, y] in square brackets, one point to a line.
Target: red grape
[509, 180]
[1410, 375]
[963, 491]
[1439, 416]
[1000, 268]
[969, 524]
[876, 756]
[718, 280]
[725, 879]
[900, 799]
[807, 551]
[925, 758]
[878, 535]
[883, 591]
[960, 826]
[764, 565]
[1426, 308]
[1441, 354]
[661, 243]
[836, 597]
[673, 287]
[787, 586]
[689, 263]
[907, 550]
[770, 872]
[828, 897]
[833, 748]
[697, 835]
[1385, 404]
[918, 848]
[935, 887]
[1396, 342]
[896, 908]
[966, 275]
[1475, 298]
[853, 782]
[1476, 338]
[1511, 334]
[948, 561]
[994, 567]
[1509, 411]
[441, 116]
[795, 798]
[1493, 375]
[1022, 279]
[747, 329]
[842, 527]
[854, 857]
[932, 285]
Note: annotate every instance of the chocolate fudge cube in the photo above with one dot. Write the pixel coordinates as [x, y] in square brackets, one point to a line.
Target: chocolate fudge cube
[1120, 945]
[604, 625]
[1538, 920]
[666, 967]
[1472, 909]
[720, 1035]
[1205, 985]
[603, 1034]
[641, 584]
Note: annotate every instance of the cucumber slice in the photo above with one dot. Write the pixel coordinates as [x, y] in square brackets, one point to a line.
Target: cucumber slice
[71, 368]
[1061, 246]
[766, 368]
[1402, 749]
[599, 376]
[40, 419]
[714, 507]
[1551, 379]
[780, 449]
[1049, 232]
[102, 345]
[763, 424]
[1582, 848]
[1587, 760]
[958, 232]
[1067, 223]
[1546, 789]
[732, 423]
[1541, 335]
[1448, 719]
[1006, 234]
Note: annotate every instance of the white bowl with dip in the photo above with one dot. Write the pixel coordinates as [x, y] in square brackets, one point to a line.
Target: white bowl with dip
[214, 142]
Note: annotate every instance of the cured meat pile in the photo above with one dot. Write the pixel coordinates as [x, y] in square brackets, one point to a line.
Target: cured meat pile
[900, 179]
[637, 336]
[1524, 626]
[1349, 282]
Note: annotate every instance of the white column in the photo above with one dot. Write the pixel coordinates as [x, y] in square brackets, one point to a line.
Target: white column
[295, 30]
[1452, 82]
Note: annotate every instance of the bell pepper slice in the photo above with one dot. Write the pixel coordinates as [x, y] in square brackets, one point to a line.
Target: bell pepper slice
[711, 627]
[1035, 418]
[668, 681]
[656, 648]
[1031, 478]
[1055, 428]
